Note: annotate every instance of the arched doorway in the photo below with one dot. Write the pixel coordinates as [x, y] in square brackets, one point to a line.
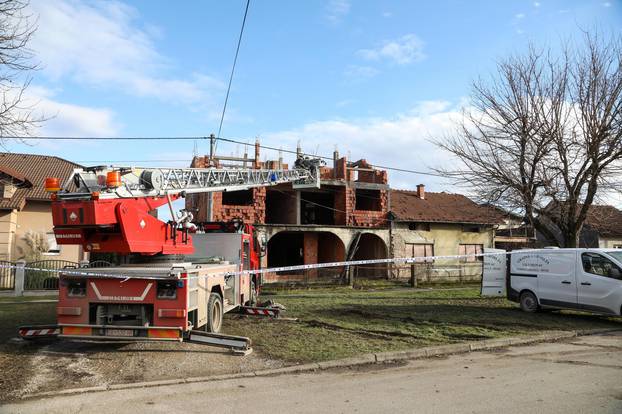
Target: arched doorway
[368, 247]
[292, 248]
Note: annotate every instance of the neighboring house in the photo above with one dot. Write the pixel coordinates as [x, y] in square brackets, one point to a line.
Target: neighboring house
[25, 207]
[602, 229]
[440, 224]
[512, 233]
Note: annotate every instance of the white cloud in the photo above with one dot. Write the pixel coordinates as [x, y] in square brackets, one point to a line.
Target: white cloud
[607, 4]
[67, 119]
[536, 4]
[387, 14]
[407, 49]
[520, 16]
[400, 141]
[336, 10]
[102, 45]
[358, 73]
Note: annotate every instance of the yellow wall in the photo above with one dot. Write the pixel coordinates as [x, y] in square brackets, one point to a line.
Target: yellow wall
[37, 217]
[446, 239]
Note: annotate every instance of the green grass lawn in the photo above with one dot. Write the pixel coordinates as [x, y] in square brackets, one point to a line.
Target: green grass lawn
[342, 322]
[345, 322]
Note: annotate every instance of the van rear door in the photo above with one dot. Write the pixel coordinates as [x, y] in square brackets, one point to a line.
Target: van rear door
[493, 277]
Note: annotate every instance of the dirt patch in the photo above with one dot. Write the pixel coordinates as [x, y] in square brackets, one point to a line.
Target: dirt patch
[63, 364]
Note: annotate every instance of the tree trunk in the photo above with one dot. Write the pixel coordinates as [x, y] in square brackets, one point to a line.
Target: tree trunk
[571, 239]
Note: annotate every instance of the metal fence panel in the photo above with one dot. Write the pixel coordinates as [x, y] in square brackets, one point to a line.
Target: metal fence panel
[7, 276]
[440, 273]
[43, 274]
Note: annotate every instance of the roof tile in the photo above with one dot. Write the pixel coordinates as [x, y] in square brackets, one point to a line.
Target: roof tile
[440, 208]
[35, 169]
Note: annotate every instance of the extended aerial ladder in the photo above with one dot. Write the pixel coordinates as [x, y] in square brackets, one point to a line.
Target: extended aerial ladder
[165, 294]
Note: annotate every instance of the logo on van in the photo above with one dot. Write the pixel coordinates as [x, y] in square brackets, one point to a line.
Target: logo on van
[533, 260]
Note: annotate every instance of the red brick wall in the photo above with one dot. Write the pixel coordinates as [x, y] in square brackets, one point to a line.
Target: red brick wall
[253, 213]
[366, 218]
[310, 251]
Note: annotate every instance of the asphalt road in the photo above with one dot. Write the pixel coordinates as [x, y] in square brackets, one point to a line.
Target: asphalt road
[583, 375]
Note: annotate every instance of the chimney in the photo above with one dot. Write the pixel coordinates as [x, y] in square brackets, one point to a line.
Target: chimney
[421, 191]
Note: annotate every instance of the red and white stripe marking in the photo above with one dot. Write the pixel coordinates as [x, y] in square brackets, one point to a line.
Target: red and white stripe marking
[262, 312]
[29, 333]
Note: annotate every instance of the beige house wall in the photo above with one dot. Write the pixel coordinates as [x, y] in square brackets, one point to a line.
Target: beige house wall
[8, 227]
[37, 217]
[446, 239]
[609, 243]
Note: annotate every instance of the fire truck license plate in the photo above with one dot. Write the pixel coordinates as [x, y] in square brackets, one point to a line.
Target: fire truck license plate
[119, 332]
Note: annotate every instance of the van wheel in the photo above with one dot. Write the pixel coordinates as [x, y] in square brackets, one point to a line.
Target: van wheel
[528, 302]
[214, 313]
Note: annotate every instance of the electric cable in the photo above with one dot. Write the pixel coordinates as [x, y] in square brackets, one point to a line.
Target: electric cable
[235, 60]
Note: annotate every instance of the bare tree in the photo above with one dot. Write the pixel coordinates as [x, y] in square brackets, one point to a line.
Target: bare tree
[17, 118]
[544, 134]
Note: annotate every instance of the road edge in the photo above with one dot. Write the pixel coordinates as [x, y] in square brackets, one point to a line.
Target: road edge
[366, 359]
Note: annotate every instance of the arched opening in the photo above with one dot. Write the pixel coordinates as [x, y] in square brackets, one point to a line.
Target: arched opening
[292, 248]
[369, 247]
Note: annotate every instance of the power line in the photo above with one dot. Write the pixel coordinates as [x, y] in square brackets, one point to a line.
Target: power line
[233, 141]
[235, 60]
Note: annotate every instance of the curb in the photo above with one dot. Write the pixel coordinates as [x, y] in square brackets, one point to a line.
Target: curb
[367, 359]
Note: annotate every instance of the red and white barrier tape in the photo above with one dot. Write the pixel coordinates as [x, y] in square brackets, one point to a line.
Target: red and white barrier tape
[397, 260]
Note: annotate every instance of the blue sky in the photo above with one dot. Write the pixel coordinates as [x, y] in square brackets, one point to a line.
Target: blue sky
[376, 79]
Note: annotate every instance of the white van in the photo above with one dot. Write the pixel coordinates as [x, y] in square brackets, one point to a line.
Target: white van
[583, 279]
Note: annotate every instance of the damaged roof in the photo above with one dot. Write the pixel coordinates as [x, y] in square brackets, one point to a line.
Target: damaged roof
[29, 172]
[440, 208]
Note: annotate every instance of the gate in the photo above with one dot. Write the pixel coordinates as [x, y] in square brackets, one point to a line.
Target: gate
[43, 274]
[7, 275]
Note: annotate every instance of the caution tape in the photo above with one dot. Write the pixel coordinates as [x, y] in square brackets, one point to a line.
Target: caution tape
[80, 272]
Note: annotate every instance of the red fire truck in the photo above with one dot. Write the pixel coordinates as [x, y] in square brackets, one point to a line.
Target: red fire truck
[177, 276]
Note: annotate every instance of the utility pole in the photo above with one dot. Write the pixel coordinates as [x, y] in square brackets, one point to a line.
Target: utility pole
[210, 195]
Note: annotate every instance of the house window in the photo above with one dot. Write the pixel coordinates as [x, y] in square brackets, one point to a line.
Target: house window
[419, 226]
[469, 228]
[471, 250]
[237, 198]
[421, 250]
[368, 200]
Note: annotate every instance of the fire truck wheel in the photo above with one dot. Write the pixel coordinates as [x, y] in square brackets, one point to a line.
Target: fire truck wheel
[214, 313]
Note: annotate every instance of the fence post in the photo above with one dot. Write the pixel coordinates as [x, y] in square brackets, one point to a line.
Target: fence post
[20, 273]
[351, 270]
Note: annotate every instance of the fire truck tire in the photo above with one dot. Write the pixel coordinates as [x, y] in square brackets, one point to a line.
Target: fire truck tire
[214, 313]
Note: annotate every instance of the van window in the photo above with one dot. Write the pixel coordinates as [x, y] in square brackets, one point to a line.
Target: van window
[596, 264]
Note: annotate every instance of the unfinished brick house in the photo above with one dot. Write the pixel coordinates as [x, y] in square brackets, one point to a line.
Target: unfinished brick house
[346, 218]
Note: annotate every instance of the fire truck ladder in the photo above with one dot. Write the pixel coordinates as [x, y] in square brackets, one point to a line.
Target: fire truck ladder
[134, 182]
